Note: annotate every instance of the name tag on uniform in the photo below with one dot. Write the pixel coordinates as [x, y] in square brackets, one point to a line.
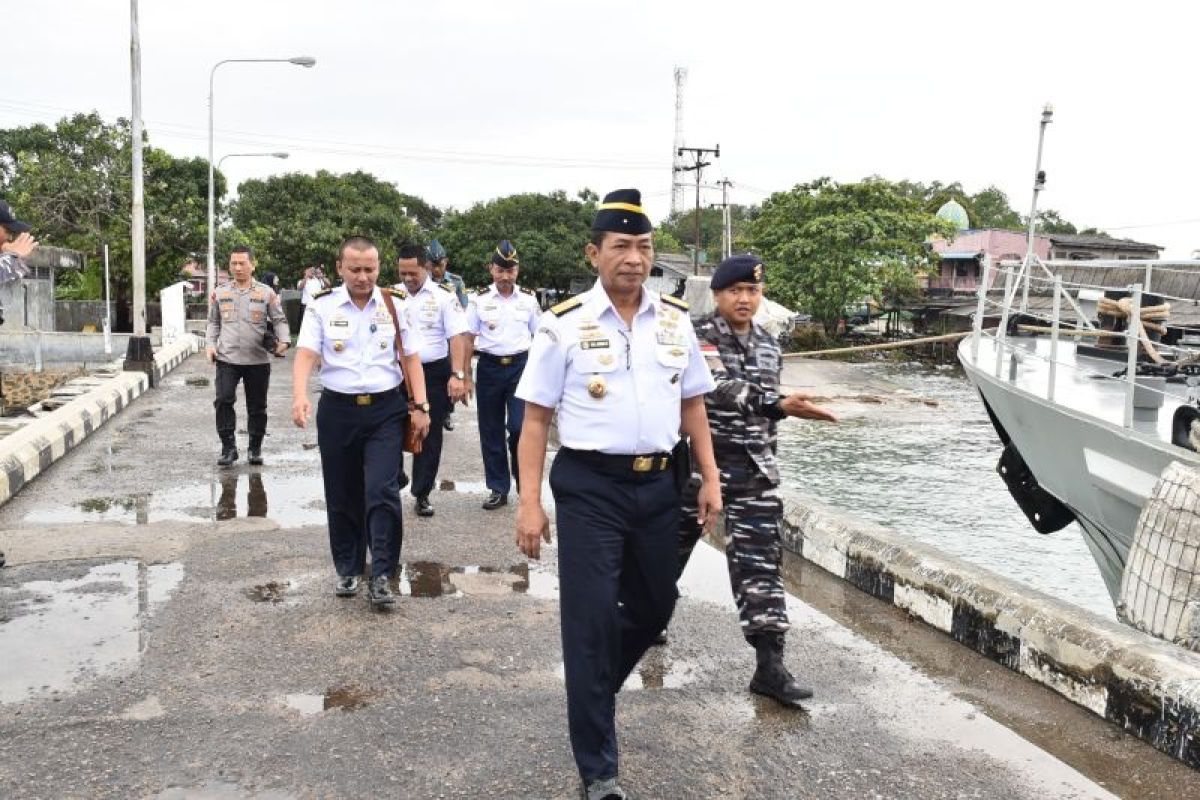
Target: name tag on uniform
[340, 323]
[594, 344]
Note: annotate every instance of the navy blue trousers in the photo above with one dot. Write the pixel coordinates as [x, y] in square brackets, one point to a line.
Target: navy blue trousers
[499, 408]
[425, 464]
[360, 466]
[617, 565]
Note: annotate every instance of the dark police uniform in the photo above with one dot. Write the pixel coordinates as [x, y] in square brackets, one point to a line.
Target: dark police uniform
[360, 424]
[618, 391]
[434, 316]
[503, 328]
[743, 415]
[238, 320]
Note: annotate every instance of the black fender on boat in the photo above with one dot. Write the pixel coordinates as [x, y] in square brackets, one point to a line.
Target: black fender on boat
[1045, 512]
[1181, 426]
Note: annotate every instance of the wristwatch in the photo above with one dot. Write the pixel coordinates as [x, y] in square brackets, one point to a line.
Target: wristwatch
[458, 373]
[423, 406]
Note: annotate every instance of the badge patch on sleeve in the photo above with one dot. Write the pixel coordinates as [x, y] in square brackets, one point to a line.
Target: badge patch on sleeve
[712, 356]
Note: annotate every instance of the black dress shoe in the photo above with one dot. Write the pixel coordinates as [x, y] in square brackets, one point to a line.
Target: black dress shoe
[424, 507]
[379, 592]
[229, 454]
[403, 479]
[448, 422]
[255, 457]
[661, 639]
[347, 586]
[494, 501]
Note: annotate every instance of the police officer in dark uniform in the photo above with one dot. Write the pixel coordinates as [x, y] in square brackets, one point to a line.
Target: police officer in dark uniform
[240, 315]
[501, 319]
[622, 367]
[743, 411]
[352, 331]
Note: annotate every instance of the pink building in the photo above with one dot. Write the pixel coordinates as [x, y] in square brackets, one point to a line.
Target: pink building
[974, 253]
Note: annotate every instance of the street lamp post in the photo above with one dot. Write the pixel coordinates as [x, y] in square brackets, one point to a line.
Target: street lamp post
[221, 160]
[302, 61]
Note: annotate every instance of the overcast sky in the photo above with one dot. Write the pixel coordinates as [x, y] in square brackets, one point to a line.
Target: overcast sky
[465, 101]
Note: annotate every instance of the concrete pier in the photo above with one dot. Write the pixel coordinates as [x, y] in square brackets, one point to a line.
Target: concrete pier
[169, 630]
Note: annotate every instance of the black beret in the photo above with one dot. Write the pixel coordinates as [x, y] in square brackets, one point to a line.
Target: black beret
[744, 268]
[622, 212]
[505, 255]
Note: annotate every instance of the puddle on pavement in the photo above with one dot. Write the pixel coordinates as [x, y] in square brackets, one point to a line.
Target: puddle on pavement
[434, 579]
[291, 500]
[658, 669]
[343, 698]
[466, 487]
[58, 634]
[270, 592]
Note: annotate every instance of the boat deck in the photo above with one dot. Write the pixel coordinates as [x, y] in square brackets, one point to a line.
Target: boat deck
[1082, 383]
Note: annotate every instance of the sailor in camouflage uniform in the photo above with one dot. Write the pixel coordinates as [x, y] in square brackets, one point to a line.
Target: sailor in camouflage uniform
[743, 412]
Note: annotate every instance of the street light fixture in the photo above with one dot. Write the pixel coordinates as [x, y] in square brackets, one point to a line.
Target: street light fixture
[301, 61]
[221, 160]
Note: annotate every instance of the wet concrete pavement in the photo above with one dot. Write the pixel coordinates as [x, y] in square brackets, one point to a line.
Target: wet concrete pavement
[168, 629]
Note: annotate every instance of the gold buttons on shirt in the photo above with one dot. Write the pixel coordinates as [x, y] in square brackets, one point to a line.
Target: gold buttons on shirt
[596, 387]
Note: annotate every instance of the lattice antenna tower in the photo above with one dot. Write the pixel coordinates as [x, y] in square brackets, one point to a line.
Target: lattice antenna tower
[677, 161]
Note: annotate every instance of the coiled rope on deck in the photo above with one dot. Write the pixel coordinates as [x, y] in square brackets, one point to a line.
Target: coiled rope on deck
[1149, 318]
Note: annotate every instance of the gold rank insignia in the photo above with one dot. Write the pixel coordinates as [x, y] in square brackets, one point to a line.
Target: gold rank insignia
[676, 351]
[606, 359]
[596, 387]
[758, 273]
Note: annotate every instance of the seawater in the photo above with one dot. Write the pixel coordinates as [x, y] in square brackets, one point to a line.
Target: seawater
[929, 473]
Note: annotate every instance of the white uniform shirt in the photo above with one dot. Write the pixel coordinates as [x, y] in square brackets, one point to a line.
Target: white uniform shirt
[434, 316]
[502, 325]
[356, 345]
[617, 389]
[311, 287]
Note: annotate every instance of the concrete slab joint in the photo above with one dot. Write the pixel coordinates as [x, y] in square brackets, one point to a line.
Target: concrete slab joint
[1148, 687]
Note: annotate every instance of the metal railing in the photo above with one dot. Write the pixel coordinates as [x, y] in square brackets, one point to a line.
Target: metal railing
[1019, 277]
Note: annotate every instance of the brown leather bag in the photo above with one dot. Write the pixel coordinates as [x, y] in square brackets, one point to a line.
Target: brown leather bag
[412, 442]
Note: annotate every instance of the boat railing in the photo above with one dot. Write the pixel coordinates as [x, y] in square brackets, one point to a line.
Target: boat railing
[1022, 276]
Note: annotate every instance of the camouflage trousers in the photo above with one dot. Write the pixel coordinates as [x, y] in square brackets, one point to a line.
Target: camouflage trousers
[753, 550]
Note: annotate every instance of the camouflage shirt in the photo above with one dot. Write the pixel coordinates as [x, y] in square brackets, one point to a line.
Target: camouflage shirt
[742, 410]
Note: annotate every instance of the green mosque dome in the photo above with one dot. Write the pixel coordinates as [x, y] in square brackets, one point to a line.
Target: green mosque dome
[954, 213]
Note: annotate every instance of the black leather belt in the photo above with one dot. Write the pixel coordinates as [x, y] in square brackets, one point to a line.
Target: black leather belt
[359, 399]
[621, 464]
[504, 361]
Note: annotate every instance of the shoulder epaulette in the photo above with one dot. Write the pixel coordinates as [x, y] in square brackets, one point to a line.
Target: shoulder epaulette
[672, 300]
[483, 290]
[447, 286]
[528, 291]
[570, 304]
[322, 293]
[394, 292]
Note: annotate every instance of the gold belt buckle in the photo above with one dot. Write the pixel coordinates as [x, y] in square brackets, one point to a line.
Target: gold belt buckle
[362, 399]
[643, 463]
[505, 360]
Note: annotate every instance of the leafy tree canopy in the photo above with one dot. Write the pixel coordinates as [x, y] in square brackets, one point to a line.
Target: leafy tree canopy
[72, 182]
[295, 221]
[828, 245]
[549, 231]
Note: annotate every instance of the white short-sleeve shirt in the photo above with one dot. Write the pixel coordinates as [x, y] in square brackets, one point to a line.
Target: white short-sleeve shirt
[617, 388]
[434, 316]
[356, 345]
[502, 326]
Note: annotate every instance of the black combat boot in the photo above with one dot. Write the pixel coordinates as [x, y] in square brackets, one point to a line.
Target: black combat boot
[255, 454]
[229, 453]
[772, 678]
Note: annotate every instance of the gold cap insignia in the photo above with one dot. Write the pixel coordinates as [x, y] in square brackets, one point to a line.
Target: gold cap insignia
[758, 272]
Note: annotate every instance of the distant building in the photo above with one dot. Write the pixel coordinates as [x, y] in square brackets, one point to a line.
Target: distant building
[1090, 247]
[196, 276]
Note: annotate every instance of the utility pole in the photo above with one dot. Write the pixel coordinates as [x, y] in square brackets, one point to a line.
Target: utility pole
[726, 218]
[698, 154]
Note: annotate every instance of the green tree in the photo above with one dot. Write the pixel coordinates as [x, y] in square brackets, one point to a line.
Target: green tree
[296, 221]
[1050, 221]
[549, 231]
[828, 245]
[73, 183]
[992, 210]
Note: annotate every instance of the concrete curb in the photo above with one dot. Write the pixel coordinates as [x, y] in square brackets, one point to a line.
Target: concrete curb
[1148, 687]
[30, 451]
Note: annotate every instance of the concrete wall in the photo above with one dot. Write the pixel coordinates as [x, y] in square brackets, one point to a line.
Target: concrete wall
[28, 304]
[1148, 687]
[27, 348]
